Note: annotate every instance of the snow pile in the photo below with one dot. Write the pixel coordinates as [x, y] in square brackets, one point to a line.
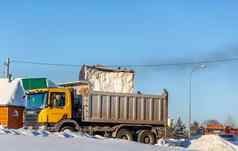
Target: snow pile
[38, 140]
[212, 143]
[109, 80]
[11, 93]
[40, 133]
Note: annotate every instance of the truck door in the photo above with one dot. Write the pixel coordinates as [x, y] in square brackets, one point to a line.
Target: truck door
[57, 111]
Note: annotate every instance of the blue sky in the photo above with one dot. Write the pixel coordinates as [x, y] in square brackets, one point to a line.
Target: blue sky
[131, 32]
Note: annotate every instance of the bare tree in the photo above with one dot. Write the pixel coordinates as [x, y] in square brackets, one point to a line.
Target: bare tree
[230, 121]
[180, 128]
[195, 127]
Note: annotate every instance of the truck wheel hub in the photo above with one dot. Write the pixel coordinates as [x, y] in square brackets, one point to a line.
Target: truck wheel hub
[147, 139]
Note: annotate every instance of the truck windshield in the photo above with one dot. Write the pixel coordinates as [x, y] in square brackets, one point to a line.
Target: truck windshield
[36, 100]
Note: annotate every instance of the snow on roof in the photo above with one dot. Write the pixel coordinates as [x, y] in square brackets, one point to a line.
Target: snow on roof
[74, 83]
[51, 84]
[11, 93]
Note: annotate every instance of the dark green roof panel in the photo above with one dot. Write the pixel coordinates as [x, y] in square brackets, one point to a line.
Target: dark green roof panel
[34, 83]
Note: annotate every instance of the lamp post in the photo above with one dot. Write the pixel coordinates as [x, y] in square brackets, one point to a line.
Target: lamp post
[195, 68]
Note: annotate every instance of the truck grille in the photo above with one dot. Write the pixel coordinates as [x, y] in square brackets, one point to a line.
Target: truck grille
[30, 118]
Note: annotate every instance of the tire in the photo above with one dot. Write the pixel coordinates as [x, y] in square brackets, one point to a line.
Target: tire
[146, 137]
[70, 128]
[125, 134]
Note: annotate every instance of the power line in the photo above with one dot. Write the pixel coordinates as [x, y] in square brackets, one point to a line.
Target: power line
[44, 63]
[181, 63]
[211, 61]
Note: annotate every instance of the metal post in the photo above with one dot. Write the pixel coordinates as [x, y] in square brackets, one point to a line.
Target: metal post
[7, 69]
[190, 105]
[190, 97]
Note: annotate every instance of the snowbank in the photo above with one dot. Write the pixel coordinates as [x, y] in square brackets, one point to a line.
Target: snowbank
[212, 143]
[28, 140]
[27, 143]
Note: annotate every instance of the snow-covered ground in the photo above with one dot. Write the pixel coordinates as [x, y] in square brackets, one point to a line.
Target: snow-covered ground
[27, 140]
[32, 140]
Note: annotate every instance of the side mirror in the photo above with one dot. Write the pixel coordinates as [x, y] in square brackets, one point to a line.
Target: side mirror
[50, 105]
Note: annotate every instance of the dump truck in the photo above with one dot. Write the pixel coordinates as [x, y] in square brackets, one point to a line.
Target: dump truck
[130, 116]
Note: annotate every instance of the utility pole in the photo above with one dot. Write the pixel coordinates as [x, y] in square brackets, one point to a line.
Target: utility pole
[195, 68]
[7, 69]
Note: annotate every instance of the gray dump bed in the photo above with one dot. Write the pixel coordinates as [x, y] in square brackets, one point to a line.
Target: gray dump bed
[104, 107]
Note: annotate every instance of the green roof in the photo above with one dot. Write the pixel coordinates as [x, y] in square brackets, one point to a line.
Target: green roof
[34, 83]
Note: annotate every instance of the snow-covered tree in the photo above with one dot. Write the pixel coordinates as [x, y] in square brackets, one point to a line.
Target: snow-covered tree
[179, 126]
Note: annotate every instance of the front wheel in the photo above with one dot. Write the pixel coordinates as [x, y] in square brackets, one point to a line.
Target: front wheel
[67, 128]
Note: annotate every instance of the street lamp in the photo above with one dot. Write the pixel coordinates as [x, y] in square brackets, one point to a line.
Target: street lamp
[195, 68]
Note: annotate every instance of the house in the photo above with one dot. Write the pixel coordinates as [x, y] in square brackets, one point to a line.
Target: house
[12, 99]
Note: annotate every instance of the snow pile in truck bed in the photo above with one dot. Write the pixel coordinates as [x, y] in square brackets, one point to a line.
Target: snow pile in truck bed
[109, 80]
[11, 93]
[212, 143]
[30, 140]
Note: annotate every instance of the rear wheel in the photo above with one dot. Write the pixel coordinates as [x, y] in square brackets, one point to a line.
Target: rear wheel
[146, 137]
[125, 134]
